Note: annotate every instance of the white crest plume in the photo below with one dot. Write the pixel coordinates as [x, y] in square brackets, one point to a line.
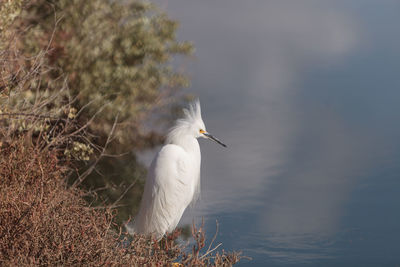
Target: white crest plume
[192, 116]
[194, 111]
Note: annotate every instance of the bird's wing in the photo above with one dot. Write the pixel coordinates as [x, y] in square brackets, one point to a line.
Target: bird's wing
[168, 191]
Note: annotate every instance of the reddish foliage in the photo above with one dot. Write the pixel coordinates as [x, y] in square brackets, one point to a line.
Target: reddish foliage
[45, 222]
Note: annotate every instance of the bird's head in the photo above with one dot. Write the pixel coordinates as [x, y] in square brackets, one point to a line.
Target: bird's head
[192, 124]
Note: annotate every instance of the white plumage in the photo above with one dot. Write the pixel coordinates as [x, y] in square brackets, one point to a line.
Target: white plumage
[173, 181]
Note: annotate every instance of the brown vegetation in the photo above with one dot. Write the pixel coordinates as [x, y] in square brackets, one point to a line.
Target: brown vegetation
[45, 222]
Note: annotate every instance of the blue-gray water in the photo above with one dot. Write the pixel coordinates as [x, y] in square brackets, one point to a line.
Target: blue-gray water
[307, 96]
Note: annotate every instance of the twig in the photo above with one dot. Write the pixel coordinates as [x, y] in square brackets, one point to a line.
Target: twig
[210, 251]
[214, 237]
[32, 115]
[89, 171]
[124, 193]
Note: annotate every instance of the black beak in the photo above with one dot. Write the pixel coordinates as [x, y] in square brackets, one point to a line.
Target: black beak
[214, 139]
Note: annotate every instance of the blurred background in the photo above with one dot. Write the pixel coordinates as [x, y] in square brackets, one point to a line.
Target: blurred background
[304, 93]
[307, 96]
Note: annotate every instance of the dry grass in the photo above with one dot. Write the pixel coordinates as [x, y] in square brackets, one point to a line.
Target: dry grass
[42, 222]
[45, 223]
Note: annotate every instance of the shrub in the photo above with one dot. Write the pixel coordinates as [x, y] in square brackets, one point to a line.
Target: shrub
[115, 55]
[104, 59]
[44, 222]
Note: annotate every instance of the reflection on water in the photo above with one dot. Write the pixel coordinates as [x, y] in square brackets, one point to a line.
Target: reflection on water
[306, 95]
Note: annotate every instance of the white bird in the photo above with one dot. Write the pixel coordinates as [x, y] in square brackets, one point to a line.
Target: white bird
[173, 180]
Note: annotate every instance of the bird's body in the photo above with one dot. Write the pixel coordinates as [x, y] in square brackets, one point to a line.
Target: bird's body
[165, 199]
[173, 181]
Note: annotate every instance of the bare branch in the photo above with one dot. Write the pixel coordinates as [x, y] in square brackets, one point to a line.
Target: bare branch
[91, 168]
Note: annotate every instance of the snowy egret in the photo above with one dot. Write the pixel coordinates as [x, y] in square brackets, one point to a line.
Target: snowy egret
[173, 181]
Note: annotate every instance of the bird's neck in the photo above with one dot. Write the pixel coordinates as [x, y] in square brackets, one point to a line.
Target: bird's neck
[188, 143]
[180, 135]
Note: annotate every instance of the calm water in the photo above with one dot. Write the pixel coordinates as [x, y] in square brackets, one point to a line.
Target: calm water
[307, 96]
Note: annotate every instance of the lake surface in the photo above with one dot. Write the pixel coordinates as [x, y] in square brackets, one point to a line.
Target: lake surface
[307, 96]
